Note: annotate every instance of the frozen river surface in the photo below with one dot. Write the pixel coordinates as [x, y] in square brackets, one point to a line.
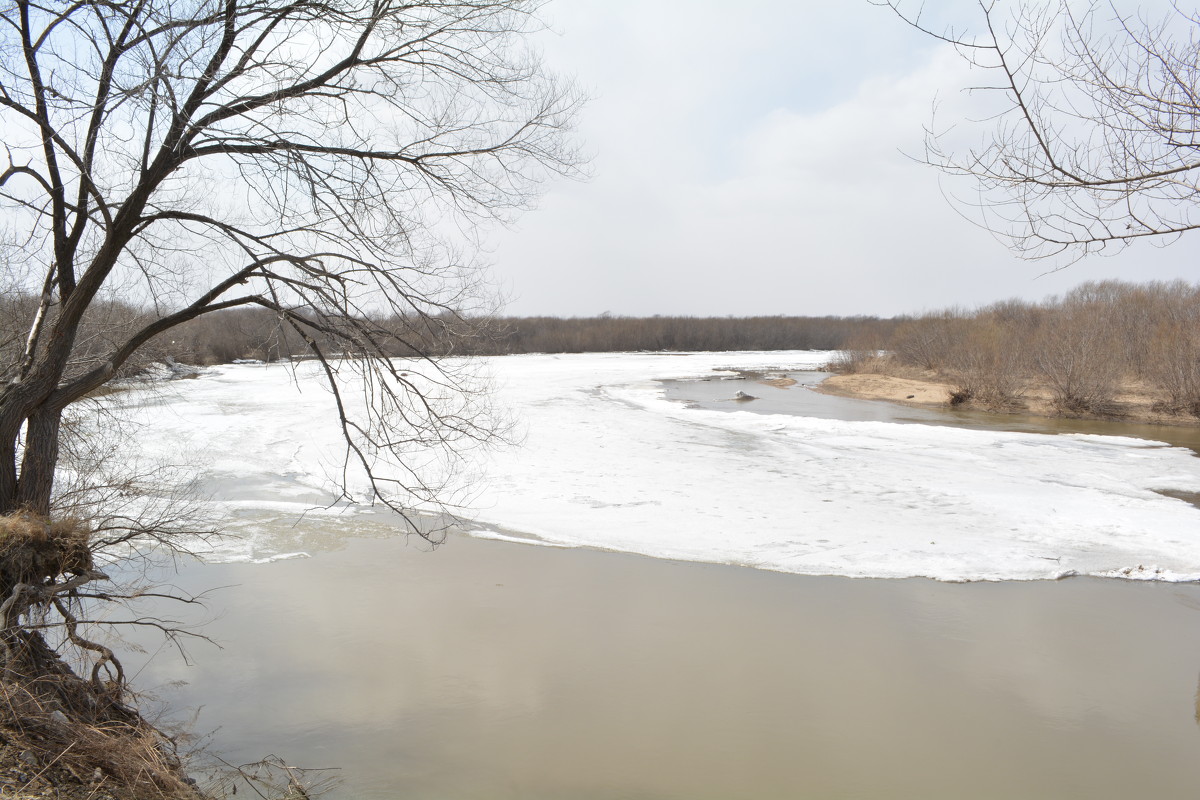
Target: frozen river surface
[606, 461]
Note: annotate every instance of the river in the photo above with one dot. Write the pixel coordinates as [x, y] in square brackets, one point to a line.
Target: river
[495, 670]
[799, 399]
[491, 669]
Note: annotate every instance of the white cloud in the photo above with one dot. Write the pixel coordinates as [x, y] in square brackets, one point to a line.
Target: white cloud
[723, 187]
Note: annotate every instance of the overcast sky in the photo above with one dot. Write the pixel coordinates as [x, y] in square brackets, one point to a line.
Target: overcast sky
[750, 158]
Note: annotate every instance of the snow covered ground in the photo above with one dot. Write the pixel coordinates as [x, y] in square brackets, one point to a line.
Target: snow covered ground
[605, 461]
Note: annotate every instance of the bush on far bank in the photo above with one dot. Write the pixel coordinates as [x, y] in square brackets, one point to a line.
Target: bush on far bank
[1082, 347]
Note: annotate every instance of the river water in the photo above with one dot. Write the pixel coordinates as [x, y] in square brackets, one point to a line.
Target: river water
[488, 669]
[720, 394]
[751, 393]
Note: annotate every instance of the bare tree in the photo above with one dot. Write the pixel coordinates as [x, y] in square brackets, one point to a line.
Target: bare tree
[314, 158]
[1095, 138]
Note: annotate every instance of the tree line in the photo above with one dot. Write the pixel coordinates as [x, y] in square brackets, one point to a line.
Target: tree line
[236, 334]
[1083, 347]
[223, 337]
[606, 333]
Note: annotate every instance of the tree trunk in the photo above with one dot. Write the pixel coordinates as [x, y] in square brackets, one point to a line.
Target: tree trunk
[38, 461]
[8, 463]
[14, 409]
[33, 438]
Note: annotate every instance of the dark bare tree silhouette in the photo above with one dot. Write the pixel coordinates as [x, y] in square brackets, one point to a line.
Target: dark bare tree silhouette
[1095, 139]
[316, 159]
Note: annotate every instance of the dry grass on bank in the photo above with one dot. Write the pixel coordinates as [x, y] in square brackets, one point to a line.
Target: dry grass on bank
[33, 549]
[60, 738]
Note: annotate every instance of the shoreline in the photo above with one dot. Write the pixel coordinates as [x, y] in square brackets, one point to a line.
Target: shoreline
[1136, 405]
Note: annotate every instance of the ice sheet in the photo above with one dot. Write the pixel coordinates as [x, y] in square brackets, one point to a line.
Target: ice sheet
[605, 461]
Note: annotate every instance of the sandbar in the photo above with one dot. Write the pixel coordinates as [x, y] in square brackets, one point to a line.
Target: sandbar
[1134, 402]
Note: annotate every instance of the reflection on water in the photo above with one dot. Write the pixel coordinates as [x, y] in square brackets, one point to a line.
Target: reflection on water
[799, 399]
[493, 670]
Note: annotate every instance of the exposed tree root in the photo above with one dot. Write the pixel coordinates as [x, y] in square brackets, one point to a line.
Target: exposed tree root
[64, 736]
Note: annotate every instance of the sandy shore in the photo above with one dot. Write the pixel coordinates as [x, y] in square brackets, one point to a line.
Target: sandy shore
[871, 386]
[1135, 404]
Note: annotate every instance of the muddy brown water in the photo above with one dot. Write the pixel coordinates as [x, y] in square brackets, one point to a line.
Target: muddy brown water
[490, 669]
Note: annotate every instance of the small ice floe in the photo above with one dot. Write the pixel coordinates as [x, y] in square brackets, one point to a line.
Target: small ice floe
[742, 397]
[279, 557]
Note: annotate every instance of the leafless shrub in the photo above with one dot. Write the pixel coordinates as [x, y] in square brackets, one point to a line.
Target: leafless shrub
[1090, 145]
[1173, 364]
[960, 395]
[927, 341]
[1074, 355]
[988, 361]
[854, 360]
[1082, 347]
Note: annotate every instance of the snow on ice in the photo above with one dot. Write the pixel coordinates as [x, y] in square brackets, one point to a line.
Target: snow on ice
[605, 461]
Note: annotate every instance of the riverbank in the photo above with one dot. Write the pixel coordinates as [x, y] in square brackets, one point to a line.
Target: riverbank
[1134, 403]
[59, 739]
